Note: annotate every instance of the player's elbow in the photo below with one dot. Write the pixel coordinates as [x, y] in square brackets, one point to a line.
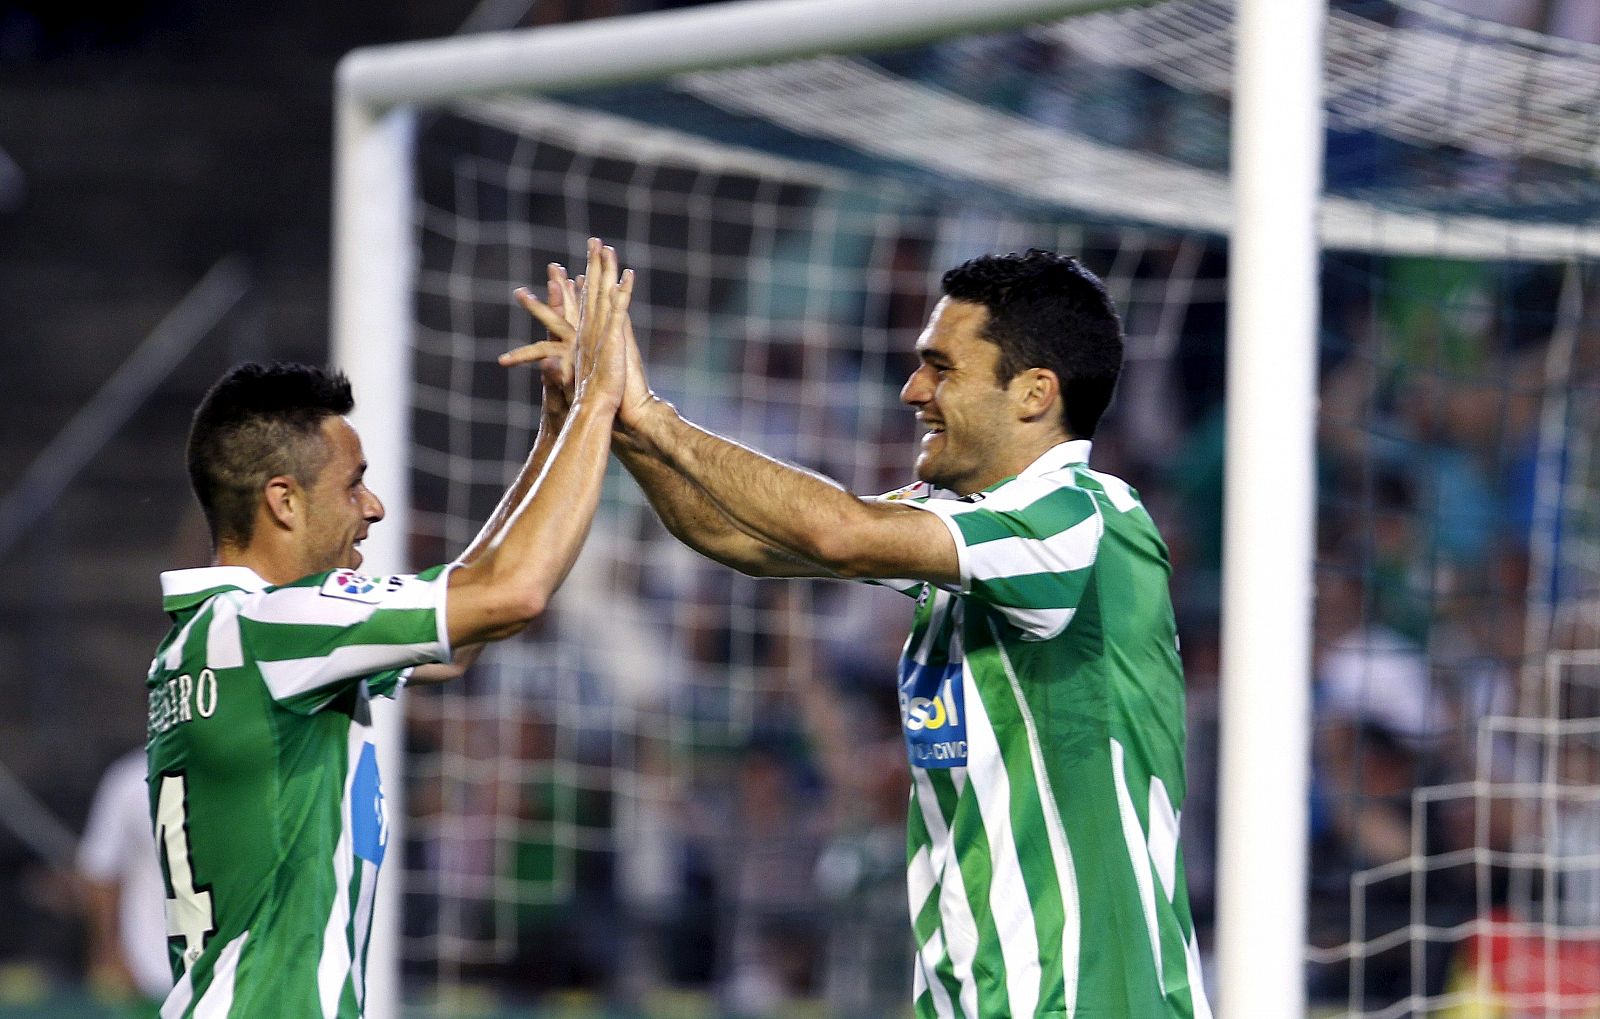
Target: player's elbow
[839, 549]
[485, 608]
[519, 607]
[531, 604]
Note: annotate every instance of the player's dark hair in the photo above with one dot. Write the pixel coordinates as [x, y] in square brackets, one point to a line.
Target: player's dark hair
[1048, 311]
[259, 422]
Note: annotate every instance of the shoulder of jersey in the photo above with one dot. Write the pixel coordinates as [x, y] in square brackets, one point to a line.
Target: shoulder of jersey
[353, 586]
[915, 490]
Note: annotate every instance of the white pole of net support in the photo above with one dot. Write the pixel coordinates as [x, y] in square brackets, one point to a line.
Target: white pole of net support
[1269, 507]
[374, 264]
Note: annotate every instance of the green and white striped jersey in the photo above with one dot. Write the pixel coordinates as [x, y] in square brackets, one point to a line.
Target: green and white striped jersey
[264, 786]
[1043, 708]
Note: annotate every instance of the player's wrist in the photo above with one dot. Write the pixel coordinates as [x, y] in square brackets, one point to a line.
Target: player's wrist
[644, 425]
[593, 404]
[555, 407]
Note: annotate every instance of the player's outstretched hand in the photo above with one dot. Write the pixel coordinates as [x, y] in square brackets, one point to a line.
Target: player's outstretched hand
[600, 351]
[553, 354]
[637, 396]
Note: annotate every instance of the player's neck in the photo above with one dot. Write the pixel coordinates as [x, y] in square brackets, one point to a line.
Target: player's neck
[1030, 445]
[275, 565]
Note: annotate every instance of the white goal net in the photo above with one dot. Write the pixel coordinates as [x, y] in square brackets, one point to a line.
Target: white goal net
[684, 782]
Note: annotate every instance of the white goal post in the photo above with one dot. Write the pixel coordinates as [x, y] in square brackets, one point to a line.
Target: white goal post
[1271, 373]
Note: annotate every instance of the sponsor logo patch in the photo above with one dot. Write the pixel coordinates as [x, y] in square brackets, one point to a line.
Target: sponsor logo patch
[933, 714]
[353, 586]
[915, 490]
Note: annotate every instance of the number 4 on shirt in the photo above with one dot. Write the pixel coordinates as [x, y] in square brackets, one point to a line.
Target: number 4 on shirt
[189, 914]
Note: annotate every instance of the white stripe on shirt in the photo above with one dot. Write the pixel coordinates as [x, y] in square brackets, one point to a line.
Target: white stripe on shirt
[1009, 904]
[1139, 857]
[333, 968]
[294, 676]
[217, 1001]
[1056, 833]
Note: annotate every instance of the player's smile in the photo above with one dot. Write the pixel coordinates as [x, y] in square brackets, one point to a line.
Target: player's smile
[342, 507]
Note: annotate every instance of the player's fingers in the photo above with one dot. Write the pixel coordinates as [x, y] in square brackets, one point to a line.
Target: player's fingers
[623, 293]
[564, 297]
[614, 264]
[571, 304]
[532, 352]
[608, 269]
[557, 295]
[591, 294]
[553, 321]
[604, 284]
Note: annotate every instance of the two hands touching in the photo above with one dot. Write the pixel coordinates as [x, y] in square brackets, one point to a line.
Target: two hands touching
[731, 503]
[589, 352]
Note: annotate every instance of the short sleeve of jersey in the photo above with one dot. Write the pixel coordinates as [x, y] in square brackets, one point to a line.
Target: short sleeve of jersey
[1026, 548]
[315, 638]
[911, 495]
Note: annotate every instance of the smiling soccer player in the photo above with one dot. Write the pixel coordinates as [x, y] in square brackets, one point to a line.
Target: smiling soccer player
[264, 784]
[1040, 688]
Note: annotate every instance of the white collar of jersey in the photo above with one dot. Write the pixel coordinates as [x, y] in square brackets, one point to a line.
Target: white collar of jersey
[1073, 451]
[177, 583]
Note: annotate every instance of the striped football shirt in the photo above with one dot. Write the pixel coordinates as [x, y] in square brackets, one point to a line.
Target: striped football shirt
[1043, 710]
[264, 785]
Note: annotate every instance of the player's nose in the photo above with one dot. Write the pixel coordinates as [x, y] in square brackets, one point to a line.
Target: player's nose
[916, 391]
[372, 510]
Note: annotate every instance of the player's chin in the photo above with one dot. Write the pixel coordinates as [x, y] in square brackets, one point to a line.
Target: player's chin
[356, 559]
[927, 468]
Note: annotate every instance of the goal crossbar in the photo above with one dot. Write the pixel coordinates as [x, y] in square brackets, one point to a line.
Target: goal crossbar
[643, 47]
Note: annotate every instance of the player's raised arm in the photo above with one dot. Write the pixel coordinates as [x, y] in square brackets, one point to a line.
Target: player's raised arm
[553, 355]
[764, 516]
[684, 509]
[509, 581]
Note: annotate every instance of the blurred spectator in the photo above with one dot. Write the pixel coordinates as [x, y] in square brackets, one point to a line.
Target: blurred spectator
[1368, 674]
[124, 894]
[765, 857]
[1384, 728]
[860, 876]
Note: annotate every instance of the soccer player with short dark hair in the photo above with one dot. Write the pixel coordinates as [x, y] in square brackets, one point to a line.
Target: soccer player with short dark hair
[264, 784]
[1040, 688]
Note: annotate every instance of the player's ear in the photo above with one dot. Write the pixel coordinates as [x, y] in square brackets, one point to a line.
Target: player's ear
[1036, 391]
[285, 500]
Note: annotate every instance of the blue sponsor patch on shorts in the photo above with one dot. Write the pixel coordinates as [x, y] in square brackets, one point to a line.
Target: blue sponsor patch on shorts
[369, 826]
[933, 715]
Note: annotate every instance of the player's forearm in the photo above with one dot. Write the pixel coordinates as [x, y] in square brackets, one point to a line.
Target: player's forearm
[550, 424]
[691, 517]
[797, 512]
[549, 432]
[462, 659]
